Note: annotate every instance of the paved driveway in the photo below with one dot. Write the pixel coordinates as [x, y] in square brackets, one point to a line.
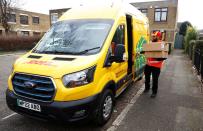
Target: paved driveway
[178, 105]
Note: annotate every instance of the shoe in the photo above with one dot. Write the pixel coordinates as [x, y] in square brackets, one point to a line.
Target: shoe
[146, 90]
[153, 95]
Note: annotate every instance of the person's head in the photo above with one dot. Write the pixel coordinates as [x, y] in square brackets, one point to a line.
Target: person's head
[156, 36]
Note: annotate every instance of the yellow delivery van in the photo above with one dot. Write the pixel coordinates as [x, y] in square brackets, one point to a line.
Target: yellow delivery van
[86, 60]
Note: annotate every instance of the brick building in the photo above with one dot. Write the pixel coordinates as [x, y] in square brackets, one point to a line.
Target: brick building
[25, 23]
[162, 16]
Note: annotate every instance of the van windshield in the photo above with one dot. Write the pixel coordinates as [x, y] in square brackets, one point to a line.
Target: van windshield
[76, 37]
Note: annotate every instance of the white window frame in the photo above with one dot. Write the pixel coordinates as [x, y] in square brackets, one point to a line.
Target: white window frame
[52, 17]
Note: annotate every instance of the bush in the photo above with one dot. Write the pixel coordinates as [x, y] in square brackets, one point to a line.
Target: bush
[14, 43]
[190, 35]
[200, 38]
[199, 45]
[191, 44]
[197, 48]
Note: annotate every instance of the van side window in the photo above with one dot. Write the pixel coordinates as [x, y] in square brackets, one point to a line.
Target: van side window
[119, 38]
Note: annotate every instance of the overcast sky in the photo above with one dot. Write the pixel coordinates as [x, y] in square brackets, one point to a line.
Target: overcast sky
[188, 9]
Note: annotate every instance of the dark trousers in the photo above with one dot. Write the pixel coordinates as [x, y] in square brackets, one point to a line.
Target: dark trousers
[155, 77]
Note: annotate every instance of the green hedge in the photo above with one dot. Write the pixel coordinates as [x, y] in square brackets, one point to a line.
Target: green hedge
[15, 43]
[191, 44]
[197, 45]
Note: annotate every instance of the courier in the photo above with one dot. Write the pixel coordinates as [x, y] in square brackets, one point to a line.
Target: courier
[155, 52]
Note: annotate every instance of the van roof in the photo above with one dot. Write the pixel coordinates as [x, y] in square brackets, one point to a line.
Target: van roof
[103, 11]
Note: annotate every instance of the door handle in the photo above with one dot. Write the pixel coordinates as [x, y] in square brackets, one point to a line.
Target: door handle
[125, 57]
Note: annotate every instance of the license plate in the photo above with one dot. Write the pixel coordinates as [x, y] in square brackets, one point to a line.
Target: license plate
[28, 105]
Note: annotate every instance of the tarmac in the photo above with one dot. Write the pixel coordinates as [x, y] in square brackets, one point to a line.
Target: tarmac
[178, 105]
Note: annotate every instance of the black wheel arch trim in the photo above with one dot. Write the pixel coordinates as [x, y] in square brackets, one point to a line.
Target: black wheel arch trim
[110, 85]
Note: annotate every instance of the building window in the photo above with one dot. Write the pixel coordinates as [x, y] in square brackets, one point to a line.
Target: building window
[35, 20]
[54, 18]
[144, 11]
[161, 14]
[24, 19]
[12, 17]
[25, 33]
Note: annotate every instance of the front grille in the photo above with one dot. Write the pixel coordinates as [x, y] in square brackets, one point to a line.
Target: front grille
[41, 88]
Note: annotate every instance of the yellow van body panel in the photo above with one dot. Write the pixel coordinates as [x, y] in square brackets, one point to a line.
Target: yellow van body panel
[48, 67]
[91, 12]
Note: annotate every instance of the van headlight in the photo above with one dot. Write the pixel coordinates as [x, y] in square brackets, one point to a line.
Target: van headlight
[79, 78]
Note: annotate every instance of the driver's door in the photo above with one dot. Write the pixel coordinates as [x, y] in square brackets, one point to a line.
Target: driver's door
[119, 69]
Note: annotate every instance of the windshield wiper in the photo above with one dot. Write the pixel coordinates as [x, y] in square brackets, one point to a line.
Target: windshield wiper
[67, 53]
[87, 50]
[56, 52]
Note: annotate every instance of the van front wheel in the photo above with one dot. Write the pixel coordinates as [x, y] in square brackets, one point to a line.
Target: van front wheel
[105, 108]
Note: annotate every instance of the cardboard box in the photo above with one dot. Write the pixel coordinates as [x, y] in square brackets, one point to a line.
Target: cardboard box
[156, 46]
[156, 50]
[156, 54]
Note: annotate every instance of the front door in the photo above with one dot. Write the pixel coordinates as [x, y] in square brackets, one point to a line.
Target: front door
[119, 69]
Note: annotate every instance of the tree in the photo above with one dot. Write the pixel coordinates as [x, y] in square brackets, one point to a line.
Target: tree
[6, 7]
[183, 27]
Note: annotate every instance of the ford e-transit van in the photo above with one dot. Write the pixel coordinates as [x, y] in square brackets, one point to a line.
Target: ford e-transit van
[86, 60]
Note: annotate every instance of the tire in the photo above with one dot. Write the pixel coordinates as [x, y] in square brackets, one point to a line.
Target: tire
[105, 108]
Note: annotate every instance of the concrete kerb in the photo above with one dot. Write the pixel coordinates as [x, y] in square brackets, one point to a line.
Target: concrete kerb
[11, 54]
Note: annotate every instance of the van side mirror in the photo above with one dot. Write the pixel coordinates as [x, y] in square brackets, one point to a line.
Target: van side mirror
[118, 54]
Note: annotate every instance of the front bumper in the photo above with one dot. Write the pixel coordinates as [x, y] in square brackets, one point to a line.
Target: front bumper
[65, 111]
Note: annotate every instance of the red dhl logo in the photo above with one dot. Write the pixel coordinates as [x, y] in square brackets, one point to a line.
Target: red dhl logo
[35, 62]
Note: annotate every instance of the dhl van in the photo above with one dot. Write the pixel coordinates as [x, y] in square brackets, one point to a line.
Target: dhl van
[86, 60]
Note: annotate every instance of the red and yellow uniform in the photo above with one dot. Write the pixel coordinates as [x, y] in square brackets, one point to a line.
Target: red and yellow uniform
[153, 67]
